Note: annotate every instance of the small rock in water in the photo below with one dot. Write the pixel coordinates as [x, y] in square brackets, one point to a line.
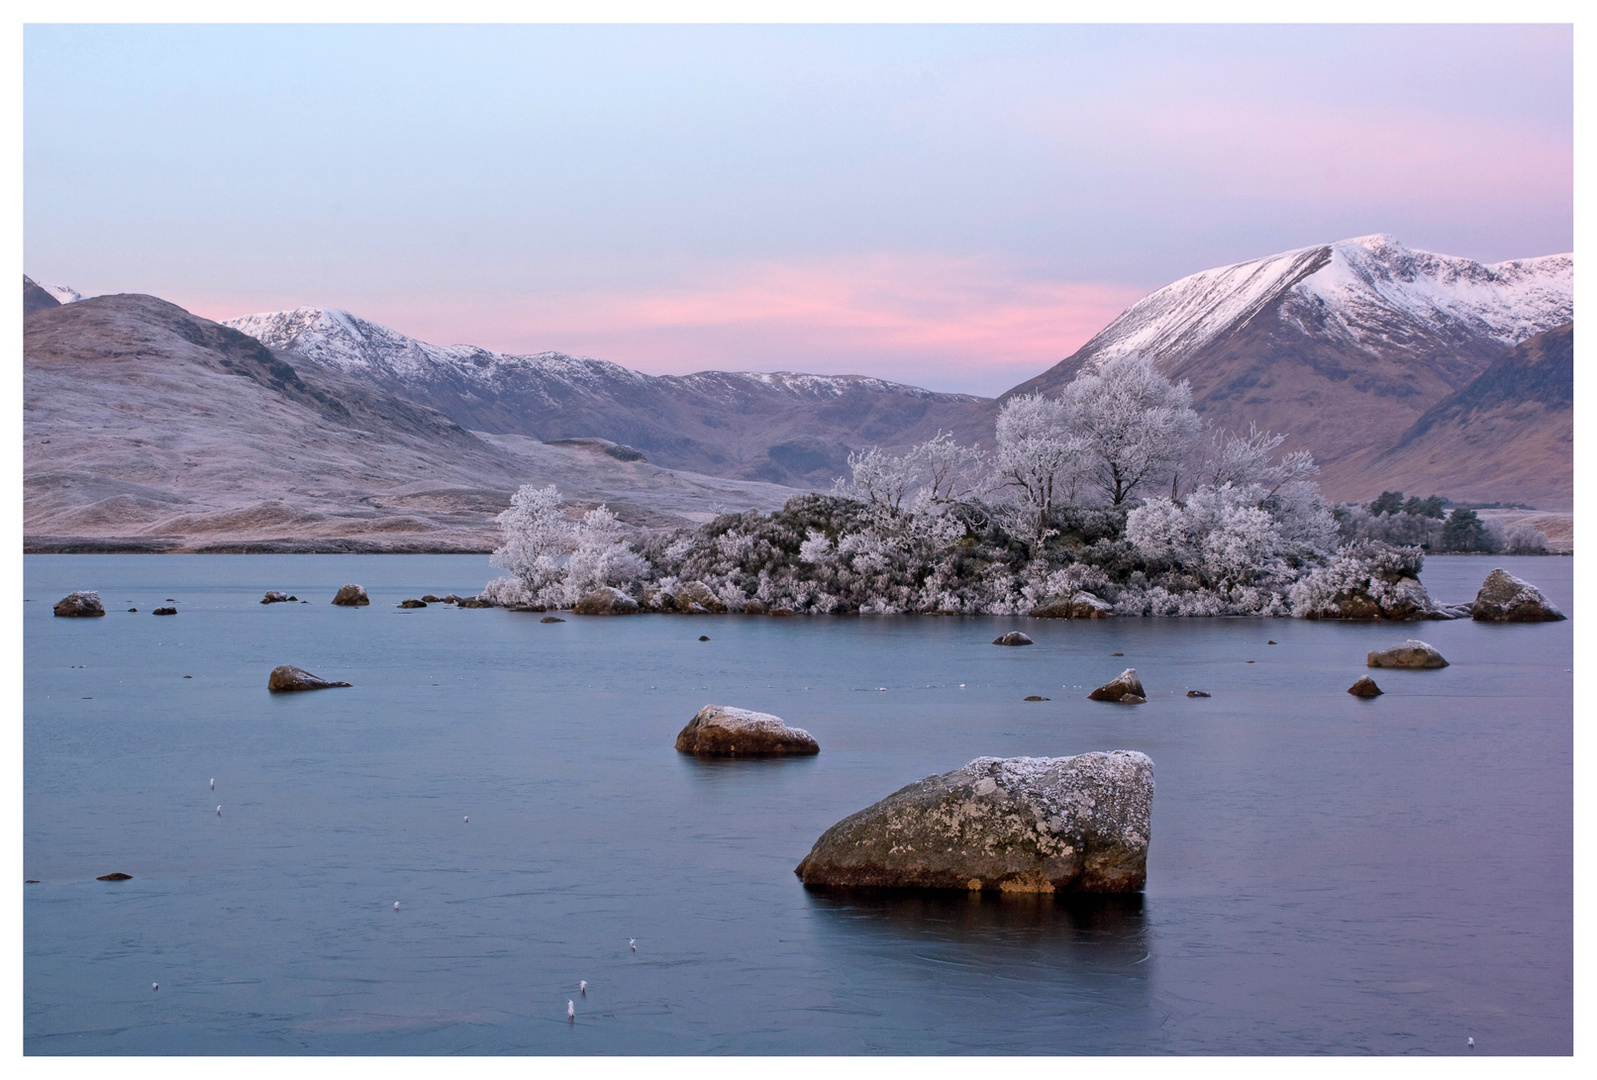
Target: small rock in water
[720, 731]
[1269, 643]
[80, 605]
[1198, 693]
[1014, 637]
[1503, 598]
[133, 611]
[31, 881]
[551, 618]
[1036, 697]
[782, 612]
[274, 597]
[1030, 825]
[1411, 654]
[1365, 687]
[429, 598]
[188, 676]
[412, 603]
[1122, 688]
[118, 876]
[472, 602]
[1117, 654]
[287, 677]
[165, 611]
[351, 596]
[704, 637]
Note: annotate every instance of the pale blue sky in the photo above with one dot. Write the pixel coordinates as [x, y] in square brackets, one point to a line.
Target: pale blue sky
[954, 206]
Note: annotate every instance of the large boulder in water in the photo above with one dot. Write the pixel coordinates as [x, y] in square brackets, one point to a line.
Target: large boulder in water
[721, 731]
[1411, 654]
[1039, 825]
[606, 601]
[287, 677]
[79, 605]
[351, 596]
[1506, 598]
[1014, 637]
[1125, 687]
[1078, 605]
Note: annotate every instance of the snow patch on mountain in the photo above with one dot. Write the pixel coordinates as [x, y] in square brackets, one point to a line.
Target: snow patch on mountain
[65, 294]
[1367, 291]
[357, 346]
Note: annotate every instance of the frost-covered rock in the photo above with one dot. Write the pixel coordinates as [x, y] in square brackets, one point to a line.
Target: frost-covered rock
[1081, 605]
[1411, 654]
[1014, 637]
[1365, 687]
[721, 731]
[79, 605]
[1125, 688]
[286, 677]
[1367, 580]
[1506, 598]
[351, 596]
[606, 600]
[274, 597]
[1039, 825]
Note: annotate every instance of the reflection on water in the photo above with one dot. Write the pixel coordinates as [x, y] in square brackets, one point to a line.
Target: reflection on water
[1325, 875]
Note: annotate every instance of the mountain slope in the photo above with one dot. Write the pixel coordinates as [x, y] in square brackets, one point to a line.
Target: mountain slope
[1343, 346]
[1507, 436]
[147, 427]
[782, 427]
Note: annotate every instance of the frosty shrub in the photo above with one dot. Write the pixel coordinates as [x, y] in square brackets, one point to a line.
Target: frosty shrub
[1135, 428]
[1525, 539]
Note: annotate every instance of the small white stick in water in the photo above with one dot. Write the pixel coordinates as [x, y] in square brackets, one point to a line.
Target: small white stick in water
[468, 819]
[583, 986]
[571, 1011]
[155, 986]
[213, 783]
[634, 943]
[218, 811]
[396, 905]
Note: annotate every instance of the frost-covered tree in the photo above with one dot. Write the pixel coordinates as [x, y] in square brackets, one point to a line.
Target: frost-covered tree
[600, 556]
[537, 537]
[1135, 426]
[948, 471]
[882, 479]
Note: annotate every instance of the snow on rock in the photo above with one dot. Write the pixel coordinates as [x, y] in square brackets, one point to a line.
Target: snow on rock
[1506, 598]
[1363, 291]
[1038, 825]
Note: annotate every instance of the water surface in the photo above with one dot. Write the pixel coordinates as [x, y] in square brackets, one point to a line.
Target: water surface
[1326, 875]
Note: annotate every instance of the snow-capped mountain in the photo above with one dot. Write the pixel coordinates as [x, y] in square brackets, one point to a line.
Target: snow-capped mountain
[781, 426]
[64, 294]
[1341, 345]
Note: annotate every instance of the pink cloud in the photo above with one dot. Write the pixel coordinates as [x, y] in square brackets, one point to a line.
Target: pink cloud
[976, 325]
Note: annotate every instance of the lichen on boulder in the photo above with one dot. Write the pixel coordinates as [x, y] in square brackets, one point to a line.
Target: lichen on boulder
[1036, 825]
[1506, 598]
[722, 731]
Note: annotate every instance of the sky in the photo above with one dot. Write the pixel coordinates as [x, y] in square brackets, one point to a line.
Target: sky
[957, 207]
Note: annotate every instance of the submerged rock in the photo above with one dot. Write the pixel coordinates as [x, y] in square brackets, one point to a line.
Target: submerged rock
[351, 596]
[1199, 693]
[1079, 605]
[1505, 598]
[412, 603]
[1038, 825]
[1122, 688]
[1365, 687]
[606, 601]
[165, 611]
[1036, 697]
[1014, 637]
[287, 677]
[472, 602]
[118, 876]
[1411, 654]
[79, 605]
[722, 731]
[551, 618]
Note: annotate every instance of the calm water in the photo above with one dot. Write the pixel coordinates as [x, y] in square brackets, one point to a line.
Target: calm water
[1327, 875]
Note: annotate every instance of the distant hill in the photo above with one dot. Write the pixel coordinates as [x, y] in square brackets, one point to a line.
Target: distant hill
[147, 427]
[1344, 346]
[1507, 435]
[779, 427]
